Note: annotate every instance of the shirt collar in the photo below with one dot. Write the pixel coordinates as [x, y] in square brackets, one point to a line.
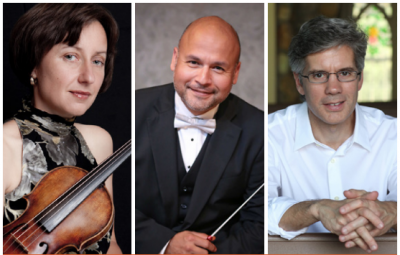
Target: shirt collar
[181, 108]
[304, 135]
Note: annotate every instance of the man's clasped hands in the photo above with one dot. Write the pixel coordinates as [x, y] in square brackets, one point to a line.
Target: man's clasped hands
[357, 219]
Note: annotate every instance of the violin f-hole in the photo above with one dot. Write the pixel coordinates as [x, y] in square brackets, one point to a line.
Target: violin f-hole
[44, 249]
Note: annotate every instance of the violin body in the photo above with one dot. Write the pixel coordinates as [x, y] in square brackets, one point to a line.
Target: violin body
[84, 226]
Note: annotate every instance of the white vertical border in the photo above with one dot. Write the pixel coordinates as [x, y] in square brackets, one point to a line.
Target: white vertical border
[265, 126]
[1, 114]
[398, 108]
[133, 16]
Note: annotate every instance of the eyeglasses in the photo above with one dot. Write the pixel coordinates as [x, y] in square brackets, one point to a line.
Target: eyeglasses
[322, 77]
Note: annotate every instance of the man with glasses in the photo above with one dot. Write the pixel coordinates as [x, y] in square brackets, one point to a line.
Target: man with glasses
[332, 164]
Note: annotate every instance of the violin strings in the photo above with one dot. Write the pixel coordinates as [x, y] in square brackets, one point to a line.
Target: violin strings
[88, 178]
[11, 234]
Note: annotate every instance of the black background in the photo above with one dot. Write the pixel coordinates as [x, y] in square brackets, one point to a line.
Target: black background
[111, 110]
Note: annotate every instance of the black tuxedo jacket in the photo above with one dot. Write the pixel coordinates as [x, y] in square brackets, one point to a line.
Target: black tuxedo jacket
[232, 169]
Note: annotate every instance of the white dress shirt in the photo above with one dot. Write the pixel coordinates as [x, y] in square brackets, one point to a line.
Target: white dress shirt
[300, 168]
[191, 139]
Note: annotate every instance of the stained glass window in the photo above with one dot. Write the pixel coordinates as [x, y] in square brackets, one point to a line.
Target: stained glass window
[372, 19]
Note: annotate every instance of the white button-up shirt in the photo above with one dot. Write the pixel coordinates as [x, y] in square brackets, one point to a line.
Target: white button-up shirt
[191, 139]
[300, 168]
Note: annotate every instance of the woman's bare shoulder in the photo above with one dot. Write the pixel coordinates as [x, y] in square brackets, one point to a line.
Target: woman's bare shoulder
[98, 139]
[12, 139]
[12, 156]
[11, 130]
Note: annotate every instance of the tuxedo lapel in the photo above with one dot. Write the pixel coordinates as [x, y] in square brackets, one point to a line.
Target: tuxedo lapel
[219, 151]
[162, 135]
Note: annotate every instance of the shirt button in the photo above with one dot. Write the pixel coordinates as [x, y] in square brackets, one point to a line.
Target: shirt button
[189, 167]
[184, 189]
[336, 198]
[191, 139]
[183, 206]
[332, 160]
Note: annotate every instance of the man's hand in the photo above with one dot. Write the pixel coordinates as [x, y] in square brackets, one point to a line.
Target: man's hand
[360, 237]
[367, 203]
[305, 213]
[189, 242]
[328, 212]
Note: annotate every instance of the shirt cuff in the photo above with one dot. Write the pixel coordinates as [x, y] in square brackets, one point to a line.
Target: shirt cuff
[276, 209]
[165, 247]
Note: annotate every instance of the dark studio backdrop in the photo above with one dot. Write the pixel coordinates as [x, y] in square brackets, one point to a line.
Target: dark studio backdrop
[111, 110]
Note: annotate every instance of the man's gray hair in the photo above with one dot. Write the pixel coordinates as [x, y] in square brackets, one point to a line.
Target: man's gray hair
[322, 33]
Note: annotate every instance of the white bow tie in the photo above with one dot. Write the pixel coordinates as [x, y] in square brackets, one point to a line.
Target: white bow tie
[206, 125]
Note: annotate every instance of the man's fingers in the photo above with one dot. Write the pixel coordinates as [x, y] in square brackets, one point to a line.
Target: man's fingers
[366, 216]
[371, 196]
[354, 193]
[359, 222]
[359, 238]
[362, 209]
[205, 236]
[353, 234]
[350, 244]
[351, 206]
[366, 219]
[348, 237]
[367, 238]
[202, 242]
[201, 235]
[371, 217]
[360, 243]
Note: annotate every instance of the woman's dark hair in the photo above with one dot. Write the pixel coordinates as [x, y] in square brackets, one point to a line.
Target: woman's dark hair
[46, 25]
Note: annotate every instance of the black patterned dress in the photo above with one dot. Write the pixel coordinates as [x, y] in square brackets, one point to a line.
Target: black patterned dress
[49, 141]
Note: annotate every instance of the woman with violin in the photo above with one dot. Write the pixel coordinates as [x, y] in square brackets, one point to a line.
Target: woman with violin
[65, 54]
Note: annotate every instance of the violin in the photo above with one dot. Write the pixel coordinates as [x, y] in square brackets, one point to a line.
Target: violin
[68, 210]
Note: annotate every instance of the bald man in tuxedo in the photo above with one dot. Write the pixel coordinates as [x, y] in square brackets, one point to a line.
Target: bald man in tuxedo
[199, 151]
